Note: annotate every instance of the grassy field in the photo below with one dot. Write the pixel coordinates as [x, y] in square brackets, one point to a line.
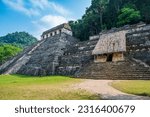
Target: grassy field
[19, 87]
[137, 87]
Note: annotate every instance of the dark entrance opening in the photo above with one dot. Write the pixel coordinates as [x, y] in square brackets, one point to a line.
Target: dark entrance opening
[109, 57]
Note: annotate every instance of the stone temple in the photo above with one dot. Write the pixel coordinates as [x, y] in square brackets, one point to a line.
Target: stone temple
[119, 53]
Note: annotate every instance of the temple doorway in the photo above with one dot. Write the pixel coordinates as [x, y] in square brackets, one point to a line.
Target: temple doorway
[109, 57]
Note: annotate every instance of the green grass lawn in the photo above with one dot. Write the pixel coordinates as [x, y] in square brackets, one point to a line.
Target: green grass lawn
[19, 87]
[136, 87]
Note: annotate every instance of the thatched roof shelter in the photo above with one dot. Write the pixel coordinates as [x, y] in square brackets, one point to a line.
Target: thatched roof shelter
[111, 43]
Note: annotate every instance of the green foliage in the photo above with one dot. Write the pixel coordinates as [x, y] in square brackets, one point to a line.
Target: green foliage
[105, 14]
[145, 11]
[128, 16]
[91, 22]
[7, 51]
[12, 44]
[20, 39]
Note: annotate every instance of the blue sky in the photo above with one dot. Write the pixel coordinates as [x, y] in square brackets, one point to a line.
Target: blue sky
[36, 16]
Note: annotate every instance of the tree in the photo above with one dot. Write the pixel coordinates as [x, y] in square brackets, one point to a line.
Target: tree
[7, 51]
[128, 16]
[99, 7]
[20, 39]
[145, 13]
[106, 14]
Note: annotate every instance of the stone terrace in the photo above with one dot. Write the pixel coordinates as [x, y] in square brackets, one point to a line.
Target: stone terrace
[138, 43]
[76, 57]
[123, 70]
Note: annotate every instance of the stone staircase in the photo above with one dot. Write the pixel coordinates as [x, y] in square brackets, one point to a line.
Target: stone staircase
[41, 58]
[14, 64]
[45, 58]
[123, 70]
[75, 57]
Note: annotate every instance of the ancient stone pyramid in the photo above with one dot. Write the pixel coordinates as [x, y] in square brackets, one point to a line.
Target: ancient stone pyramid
[63, 54]
[41, 58]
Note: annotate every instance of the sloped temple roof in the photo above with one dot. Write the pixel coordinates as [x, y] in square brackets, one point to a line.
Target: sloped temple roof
[110, 43]
[65, 25]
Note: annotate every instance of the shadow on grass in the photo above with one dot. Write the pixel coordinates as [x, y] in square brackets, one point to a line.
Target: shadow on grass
[143, 94]
[21, 76]
[29, 76]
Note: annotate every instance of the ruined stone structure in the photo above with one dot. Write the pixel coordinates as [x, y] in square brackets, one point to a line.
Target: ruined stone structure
[122, 53]
[43, 57]
[138, 43]
[136, 63]
[63, 28]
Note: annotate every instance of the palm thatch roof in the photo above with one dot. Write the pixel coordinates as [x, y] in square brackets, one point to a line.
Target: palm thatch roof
[111, 43]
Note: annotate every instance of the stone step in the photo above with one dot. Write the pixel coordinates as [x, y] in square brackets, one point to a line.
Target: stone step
[106, 77]
[115, 73]
[117, 78]
[120, 70]
[136, 75]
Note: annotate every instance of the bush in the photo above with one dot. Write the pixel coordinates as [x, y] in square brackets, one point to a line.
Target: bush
[7, 51]
[128, 16]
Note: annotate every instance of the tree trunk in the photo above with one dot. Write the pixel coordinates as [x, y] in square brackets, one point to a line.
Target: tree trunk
[101, 21]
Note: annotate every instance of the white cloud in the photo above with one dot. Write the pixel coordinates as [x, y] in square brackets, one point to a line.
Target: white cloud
[51, 20]
[59, 8]
[40, 4]
[44, 4]
[40, 8]
[36, 7]
[47, 22]
[19, 6]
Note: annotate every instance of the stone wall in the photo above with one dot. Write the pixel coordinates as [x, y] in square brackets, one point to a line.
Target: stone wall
[138, 43]
[95, 37]
[100, 58]
[67, 31]
[118, 56]
[115, 57]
